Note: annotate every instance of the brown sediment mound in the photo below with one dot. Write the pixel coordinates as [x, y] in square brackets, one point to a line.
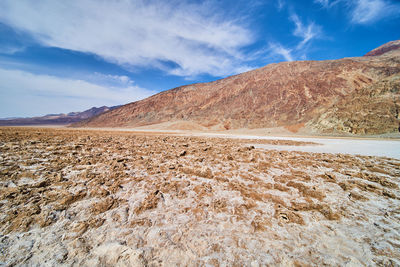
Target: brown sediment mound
[295, 127]
[85, 197]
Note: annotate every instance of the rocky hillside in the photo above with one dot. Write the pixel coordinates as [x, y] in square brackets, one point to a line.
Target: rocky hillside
[368, 110]
[318, 95]
[57, 119]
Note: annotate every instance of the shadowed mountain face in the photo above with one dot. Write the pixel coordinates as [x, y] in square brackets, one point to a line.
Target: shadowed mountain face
[319, 95]
[57, 119]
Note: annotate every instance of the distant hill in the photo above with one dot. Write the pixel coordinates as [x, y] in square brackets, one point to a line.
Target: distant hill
[57, 119]
[357, 95]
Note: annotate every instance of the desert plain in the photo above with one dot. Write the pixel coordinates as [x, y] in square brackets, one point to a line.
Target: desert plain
[74, 197]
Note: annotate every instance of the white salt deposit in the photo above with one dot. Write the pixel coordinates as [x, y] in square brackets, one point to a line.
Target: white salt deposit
[379, 148]
[364, 147]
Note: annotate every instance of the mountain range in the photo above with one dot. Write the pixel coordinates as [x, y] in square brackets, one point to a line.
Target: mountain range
[56, 119]
[359, 95]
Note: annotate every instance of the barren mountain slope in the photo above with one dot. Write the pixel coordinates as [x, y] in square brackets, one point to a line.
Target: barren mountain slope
[284, 94]
[369, 110]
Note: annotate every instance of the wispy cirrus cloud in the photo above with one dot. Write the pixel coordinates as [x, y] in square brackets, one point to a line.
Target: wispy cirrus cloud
[369, 11]
[26, 94]
[181, 38]
[327, 3]
[365, 11]
[279, 50]
[280, 4]
[306, 32]
[10, 50]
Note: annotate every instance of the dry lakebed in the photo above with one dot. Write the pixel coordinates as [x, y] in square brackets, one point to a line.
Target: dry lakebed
[73, 197]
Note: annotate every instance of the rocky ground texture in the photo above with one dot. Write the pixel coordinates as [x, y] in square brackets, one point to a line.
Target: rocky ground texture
[87, 198]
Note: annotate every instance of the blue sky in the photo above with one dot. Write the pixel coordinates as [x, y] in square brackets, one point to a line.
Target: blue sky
[59, 56]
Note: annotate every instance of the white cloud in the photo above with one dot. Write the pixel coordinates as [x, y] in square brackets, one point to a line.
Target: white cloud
[324, 3]
[10, 50]
[281, 4]
[26, 94]
[278, 49]
[365, 11]
[368, 11]
[110, 80]
[306, 32]
[327, 3]
[195, 37]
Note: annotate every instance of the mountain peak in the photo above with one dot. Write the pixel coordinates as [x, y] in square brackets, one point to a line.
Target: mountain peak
[383, 49]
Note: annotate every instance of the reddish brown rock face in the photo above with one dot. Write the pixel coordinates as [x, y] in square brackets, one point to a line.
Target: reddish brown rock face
[284, 94]
[369, 110]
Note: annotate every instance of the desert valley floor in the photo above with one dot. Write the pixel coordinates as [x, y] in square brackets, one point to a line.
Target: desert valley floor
[118, 198]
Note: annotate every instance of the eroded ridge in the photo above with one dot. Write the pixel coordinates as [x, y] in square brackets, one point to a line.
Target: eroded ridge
[74, 197]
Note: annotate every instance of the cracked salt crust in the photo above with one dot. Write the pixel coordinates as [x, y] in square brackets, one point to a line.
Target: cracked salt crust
[141, 202]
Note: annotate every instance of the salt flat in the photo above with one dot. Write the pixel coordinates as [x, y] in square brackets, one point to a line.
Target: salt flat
[116, 198]
[365, 147]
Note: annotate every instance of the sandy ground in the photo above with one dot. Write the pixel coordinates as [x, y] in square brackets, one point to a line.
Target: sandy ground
[117, 198]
